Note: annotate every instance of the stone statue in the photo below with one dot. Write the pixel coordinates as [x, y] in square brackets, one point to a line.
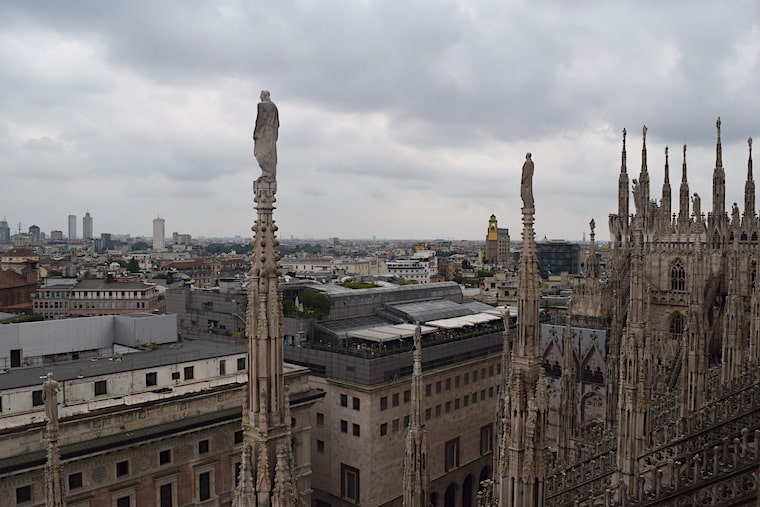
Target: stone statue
[638, 198]
[50, 390]
[526, 183]
[735, 220]
[265, 137]
[696, 204]
[530, 425]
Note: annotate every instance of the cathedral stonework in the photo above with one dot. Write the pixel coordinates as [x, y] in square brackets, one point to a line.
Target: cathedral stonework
[682, 424]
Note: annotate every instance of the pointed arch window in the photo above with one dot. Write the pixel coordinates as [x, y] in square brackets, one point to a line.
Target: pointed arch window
[753, 276]
[676, 326]
[677, 276]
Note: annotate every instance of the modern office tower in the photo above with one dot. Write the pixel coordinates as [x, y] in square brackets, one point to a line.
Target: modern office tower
[72, 226]
[87, 226]
[5, 232]
[158, 234]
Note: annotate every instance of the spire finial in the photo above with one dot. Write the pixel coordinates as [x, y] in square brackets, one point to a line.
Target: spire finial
[644, 133]
[718, 149]
[749, 160]
[717, 124]
[667, 167]
[683, 177]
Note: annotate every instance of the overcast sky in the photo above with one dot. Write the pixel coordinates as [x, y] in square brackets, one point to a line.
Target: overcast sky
[398, 119]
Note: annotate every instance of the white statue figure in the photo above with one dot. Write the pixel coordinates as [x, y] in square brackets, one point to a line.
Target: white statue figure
[265, 134]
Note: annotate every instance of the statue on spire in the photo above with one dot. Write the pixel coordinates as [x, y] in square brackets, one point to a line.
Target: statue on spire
[526, 183]
[265, 134]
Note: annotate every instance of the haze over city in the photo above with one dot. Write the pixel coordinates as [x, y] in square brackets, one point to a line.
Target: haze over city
[397, 120]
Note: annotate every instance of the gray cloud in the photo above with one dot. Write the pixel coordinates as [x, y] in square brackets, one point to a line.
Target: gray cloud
[398, 119]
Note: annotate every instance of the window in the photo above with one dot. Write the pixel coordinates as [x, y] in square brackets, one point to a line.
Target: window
[475, 376]
[384, 403]
[189, 372]
[24, 494]
[490, 371]
[356, 430]
[438, 410]
[165, 457]
[349, 483]
[202, 446]
[395, 400]
[498, 369]
[151, 379]
[241, 363]
[466, 400]
[448, 384]
[456, 381]
[474, 398]
[394, 425]
[122, 468]
[75, 481]
[239, 437]
[37, 398]
[407, 396]
[428, 389]
[356, 403]
[165, 495]
[448, 407]
[124, 501]
[486, 438]
[383, 429]
[343, 400]
[204, 486]
[222, 367]
[438, 387]
[406, 421]
[320, 446]
[428, 414]
[175, 375]
[456, 404]
[482, 394]
[677, 276]
[320, 419]
[676, 326]
[343, 426]
[490, 392]
[452, 454]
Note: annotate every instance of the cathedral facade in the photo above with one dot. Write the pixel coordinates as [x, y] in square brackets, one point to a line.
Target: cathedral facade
[682, 417]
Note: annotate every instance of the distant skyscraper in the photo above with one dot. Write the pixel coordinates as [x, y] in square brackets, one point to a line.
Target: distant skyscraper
[34, 234]
[5, 232]
[87, 226]
[72, 226]
[159, 234]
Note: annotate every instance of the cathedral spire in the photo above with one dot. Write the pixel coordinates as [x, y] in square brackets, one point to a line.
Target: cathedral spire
[644, 174]
[719, 182]
[416, 476]
[666, 196]
[749, 187]
[623, 198]
[522, 479]
[683, 211]
[266, 427]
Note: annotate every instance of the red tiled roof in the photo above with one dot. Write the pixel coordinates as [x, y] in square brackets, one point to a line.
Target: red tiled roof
[10, 279]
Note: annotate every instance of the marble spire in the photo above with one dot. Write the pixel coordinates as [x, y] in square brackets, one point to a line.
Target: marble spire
[416, 477]
[267, 476]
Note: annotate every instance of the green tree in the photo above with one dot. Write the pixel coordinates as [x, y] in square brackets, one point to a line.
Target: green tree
[133, 266]
[315, 304]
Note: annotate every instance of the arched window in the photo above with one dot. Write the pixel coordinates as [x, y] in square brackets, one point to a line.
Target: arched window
[677, 276]
[676, 326]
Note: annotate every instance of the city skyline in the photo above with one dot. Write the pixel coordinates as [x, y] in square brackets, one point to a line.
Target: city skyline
[392, 126]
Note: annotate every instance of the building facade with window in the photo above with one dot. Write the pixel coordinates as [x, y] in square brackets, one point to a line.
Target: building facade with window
[158, 427]
[364, 366]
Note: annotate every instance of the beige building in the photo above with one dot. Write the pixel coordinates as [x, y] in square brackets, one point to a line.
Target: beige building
[109, 296]
[138, 427]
